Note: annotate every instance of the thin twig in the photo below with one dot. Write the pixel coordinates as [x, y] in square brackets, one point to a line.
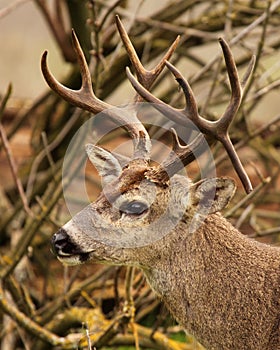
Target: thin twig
[268, 232]
[7, 10]
[63, 132]
[257, 95]
[48, 153]
[248, 138]
[108, 12]
[58, 30]
[228, 21]
[14, 170]
[88, 336]
[245, 213]
[236, 39]
[5, 101]
[51, 196]
[28, 324]
[251, 79]
[227, 31]
[248, 198]
[130, 303]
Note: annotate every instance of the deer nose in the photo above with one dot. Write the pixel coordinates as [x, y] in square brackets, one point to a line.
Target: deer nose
[60, 242]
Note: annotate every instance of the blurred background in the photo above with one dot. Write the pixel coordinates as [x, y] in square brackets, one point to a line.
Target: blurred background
[44, 305]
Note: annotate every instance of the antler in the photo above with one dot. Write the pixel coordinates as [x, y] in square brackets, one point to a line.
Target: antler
[177, 159]
[87, 100]
[218, 129]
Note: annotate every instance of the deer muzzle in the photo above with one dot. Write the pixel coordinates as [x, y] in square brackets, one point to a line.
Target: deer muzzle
[65, 250]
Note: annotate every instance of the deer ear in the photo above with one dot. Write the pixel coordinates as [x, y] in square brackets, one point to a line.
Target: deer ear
[106, 164]
[213, 195]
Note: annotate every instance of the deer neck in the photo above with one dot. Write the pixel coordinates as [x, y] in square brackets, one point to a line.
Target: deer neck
[215, 276]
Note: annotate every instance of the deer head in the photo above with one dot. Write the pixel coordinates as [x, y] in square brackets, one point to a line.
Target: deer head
[141, 205]
[138, 214]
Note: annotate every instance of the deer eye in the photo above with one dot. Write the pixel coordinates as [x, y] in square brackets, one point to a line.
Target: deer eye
[134, 208]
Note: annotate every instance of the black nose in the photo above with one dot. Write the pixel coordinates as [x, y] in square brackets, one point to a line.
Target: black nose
[60, 242]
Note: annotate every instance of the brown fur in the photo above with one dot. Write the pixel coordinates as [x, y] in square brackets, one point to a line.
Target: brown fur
[227, 291]
[219, 285]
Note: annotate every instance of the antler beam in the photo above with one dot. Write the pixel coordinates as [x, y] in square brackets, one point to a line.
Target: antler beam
[218, 129]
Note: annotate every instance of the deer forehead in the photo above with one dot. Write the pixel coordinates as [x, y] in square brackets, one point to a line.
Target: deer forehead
[145, 191]
[139, 188]
[132, 179]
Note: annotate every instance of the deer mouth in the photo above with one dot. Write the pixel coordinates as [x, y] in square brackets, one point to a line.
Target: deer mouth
[76, 258]
[66, 251]
[73, 259]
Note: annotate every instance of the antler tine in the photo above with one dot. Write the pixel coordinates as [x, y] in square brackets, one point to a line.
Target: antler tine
[178, 158]
[84, 97]
[235, 84]
[236, 89]
[181, 155]
[191, 109]
[87, 100]
[175, 114]
[144, 76]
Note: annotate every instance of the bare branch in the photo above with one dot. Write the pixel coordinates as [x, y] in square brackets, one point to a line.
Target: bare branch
[10, 157]
[29, 324]
[57, 28]
[7, 10]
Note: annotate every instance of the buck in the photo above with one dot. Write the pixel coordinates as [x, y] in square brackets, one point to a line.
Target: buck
[221, 286]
